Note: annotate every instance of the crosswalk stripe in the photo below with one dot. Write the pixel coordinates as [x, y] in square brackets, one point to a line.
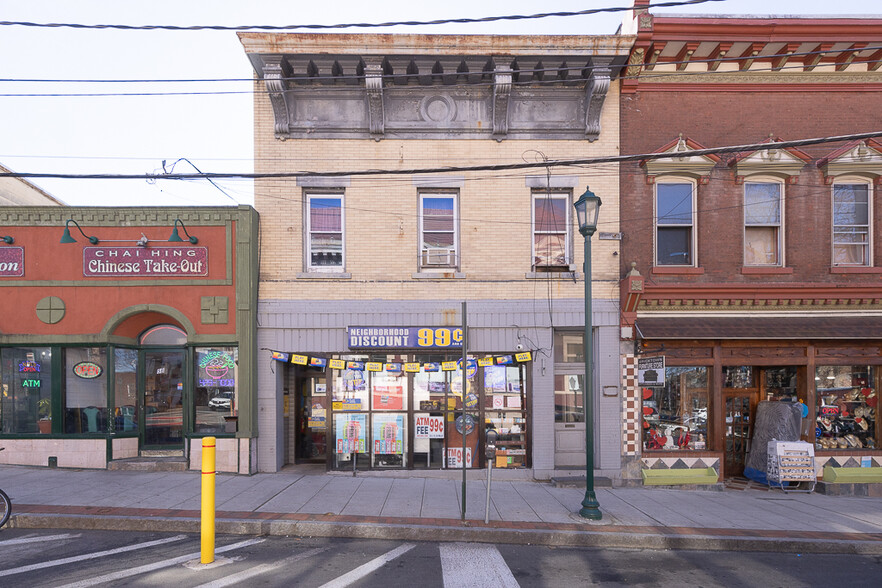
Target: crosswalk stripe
[368, 568]
[42, 539]
[474, 565]
[261, 569]
[166, 563]
[95, 555]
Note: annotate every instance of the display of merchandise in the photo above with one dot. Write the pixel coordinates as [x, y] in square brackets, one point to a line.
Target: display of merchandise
[846, 417]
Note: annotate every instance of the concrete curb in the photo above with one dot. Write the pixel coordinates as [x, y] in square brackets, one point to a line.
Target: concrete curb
[607, 538]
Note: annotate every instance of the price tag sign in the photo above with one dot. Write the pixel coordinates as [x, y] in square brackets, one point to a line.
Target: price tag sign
[429, 427]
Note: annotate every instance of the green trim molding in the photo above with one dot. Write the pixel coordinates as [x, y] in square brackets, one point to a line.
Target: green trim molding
[836, 475]
[674, 477]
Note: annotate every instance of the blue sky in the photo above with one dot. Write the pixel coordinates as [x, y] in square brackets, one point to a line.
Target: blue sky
[134, 134]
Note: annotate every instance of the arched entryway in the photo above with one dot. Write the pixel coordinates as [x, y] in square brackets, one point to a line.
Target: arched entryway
[150, 377]
[161, 385]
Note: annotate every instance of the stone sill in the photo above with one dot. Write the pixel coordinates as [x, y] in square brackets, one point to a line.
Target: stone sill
[324, 276]
[678, 270]
[848, 269]
[766, 271]
[438, 275]
[553, 275]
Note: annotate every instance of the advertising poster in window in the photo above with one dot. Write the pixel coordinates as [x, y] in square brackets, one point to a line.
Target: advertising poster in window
[351, 433]
[389, 397]
[651, 372]
[428, 427]
[388, 434]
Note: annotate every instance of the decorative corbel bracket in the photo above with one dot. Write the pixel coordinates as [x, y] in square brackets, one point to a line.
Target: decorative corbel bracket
[501, 99]
[275, 71]
[597, 88]
[373, 81]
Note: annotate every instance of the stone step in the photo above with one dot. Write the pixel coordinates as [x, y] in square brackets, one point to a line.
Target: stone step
[149, 464]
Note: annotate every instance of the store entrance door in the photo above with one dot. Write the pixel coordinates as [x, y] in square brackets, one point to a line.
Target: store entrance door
[740, 408]
[161, 393]
[311, 419]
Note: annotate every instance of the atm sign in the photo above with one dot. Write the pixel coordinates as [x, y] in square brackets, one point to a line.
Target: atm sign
[429, 427]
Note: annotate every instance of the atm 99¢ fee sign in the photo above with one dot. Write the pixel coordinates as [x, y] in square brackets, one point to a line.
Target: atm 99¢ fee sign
[429, 427]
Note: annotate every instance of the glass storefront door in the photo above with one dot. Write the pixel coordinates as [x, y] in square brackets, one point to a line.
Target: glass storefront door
[161, 399]
[312, 419]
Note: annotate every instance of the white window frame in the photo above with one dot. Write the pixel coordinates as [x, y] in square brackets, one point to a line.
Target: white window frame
[852, 181]
[567, 197]
[307, 222]
[782, 194]
[693, 241]
[428, 258]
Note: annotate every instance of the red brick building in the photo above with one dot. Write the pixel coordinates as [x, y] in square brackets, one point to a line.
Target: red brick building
[755, 274]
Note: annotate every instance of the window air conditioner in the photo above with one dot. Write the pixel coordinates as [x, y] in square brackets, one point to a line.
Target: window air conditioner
[442, 257]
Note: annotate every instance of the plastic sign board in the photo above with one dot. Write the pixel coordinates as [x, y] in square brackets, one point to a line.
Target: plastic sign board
[11, 262]
[651, 372]
[143, 261]
[428, 427]
[405, 338]
[87, 370]
[454, 457]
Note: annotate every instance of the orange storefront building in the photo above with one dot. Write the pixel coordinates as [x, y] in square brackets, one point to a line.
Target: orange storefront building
[127, 333]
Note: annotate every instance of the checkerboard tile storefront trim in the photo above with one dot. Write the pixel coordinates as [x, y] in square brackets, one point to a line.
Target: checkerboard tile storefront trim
[630, 407]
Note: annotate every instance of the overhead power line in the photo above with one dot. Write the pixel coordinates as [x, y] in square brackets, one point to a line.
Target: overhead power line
[362, 25]
[532, 73]
[451, 169]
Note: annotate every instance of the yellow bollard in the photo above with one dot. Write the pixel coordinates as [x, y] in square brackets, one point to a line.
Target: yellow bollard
[208, 474]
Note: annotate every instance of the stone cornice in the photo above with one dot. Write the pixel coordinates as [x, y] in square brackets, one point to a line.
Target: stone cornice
[515, 45]
[111, 216]
[433, 86]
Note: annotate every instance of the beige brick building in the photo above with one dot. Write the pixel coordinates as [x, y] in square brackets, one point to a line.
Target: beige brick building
[374, 267]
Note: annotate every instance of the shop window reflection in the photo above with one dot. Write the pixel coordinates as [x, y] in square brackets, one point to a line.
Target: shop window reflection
[675, 415]
[26, 390]
[85, 390]
[378, 409]
[504, 409]
[846, 407]
[568, 399]
[125, 390]
[738, 376]
[216, 390]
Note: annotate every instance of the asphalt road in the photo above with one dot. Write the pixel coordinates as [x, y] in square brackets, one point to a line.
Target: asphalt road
[113, 558]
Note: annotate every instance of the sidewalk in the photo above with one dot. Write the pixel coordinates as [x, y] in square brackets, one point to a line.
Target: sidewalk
[428, 508]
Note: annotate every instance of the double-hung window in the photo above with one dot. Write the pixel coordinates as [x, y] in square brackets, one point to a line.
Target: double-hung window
[675, 221]
[324, 232]
[438, 231]
[762, 223]
[851, 223]
[551, 231]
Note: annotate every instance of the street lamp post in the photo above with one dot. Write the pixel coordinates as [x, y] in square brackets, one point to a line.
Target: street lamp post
[587, 209]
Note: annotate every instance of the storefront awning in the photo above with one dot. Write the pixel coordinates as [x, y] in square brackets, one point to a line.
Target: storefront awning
[830, 327]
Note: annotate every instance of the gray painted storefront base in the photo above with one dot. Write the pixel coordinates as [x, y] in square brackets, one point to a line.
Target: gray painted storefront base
[495, 326]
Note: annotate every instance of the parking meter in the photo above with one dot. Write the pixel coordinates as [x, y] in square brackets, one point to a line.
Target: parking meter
[492, 435]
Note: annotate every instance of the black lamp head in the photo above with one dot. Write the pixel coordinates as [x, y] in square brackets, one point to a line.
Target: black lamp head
[66, 237]
[176, 237]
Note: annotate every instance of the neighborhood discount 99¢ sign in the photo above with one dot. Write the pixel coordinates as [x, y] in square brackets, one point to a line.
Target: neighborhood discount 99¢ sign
[429, 427]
